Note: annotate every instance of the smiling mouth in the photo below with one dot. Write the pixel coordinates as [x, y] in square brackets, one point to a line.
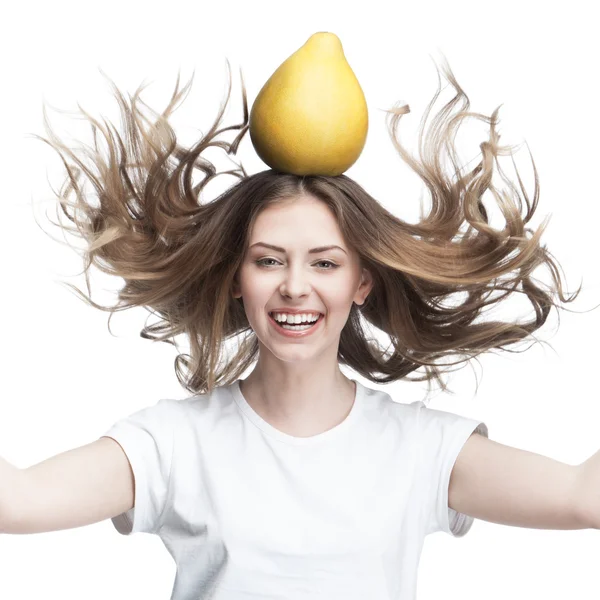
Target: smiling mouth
[296, 326]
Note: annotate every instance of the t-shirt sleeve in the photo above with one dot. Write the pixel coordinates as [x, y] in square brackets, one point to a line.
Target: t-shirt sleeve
[147, 438]
[441, 438]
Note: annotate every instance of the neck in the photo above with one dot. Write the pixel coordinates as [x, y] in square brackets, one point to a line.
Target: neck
[299, 401]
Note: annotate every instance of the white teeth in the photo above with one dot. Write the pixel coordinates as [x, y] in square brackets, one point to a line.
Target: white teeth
[294, 319]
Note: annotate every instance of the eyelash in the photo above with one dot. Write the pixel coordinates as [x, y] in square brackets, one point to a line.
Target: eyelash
[260, 263]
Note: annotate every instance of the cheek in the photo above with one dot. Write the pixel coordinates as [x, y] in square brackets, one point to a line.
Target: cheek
[256, 292]
[338, 289]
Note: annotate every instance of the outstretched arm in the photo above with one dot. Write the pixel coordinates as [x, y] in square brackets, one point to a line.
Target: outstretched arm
[590, 489]
[506, 485]
[72, 489]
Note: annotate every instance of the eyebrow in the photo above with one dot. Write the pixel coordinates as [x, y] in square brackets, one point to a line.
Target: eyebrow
[311, 251]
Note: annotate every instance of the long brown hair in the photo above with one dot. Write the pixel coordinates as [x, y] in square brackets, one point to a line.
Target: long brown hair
[178, 256]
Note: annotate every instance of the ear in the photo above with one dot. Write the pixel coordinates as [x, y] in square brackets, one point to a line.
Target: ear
[364, 288]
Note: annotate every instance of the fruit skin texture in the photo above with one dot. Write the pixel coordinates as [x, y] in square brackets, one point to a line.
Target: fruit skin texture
[311, 117]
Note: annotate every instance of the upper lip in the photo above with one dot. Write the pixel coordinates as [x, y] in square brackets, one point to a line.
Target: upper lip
[295, 311]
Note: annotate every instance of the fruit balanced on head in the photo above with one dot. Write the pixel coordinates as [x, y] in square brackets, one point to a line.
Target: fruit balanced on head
[310, 117]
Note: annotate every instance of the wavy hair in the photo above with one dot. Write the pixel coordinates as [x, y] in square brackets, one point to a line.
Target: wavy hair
[178, 255]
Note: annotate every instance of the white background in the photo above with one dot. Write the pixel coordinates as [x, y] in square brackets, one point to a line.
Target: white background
[66, 380]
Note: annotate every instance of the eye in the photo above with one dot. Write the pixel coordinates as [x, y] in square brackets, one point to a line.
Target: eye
[328, 262]
[261, 262]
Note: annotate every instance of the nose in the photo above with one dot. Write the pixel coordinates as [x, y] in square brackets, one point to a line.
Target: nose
[295, 282]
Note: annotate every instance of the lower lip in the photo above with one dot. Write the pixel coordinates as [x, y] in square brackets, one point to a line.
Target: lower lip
[295, 334]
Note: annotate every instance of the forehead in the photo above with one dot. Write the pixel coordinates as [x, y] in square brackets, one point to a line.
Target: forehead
[299, 219]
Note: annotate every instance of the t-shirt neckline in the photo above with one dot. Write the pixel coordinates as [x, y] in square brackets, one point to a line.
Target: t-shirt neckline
[273, 432]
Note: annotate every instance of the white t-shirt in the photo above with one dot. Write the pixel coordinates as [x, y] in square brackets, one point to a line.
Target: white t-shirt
[247, 511]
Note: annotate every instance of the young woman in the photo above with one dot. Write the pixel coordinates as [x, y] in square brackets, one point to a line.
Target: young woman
[297, 481]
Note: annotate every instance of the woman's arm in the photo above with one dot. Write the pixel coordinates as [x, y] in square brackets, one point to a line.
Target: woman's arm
[9, 475]
[72, 489]
[506, 485]
[589, 489]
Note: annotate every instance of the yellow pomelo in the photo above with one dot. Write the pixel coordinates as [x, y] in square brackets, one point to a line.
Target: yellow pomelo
[310, 117]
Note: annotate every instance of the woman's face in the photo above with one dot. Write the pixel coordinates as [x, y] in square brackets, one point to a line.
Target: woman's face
[293, 277]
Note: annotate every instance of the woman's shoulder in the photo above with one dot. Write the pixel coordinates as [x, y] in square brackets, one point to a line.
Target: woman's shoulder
[386, 399]
[387, 406]
[206, 407]
[418, 411]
